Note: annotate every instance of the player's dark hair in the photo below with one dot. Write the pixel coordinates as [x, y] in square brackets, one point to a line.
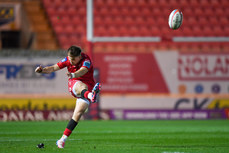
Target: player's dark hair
[74, 51]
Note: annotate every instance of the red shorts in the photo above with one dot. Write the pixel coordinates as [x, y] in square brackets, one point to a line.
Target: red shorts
[71, 84]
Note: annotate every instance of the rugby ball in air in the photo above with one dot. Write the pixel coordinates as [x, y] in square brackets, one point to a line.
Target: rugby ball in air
[175, 19]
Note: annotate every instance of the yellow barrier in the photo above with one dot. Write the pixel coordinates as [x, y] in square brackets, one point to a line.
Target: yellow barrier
[37, 103]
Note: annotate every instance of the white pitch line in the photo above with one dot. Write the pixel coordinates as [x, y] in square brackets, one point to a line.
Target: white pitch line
[173, 152]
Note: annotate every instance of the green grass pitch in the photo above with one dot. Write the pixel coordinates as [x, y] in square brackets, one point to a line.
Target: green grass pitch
[154, 136]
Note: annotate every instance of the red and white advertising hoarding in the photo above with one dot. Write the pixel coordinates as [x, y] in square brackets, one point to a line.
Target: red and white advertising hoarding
[164, 72]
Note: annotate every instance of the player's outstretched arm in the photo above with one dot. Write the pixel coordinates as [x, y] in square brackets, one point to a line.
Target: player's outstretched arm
[47, 69]
[78, 73]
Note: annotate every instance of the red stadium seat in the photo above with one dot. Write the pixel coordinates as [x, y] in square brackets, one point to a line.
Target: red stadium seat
[156, 12]
[163, 3]
[120, 3]
[141, 18]
[99, 2]
[63, 38]
[100, 31]
[129, 20]
[133, 31]
[224, 20]
[207, 31]
[76, 20]
[69, 29]
[74, 39]
[203, 21]
[225, 3]
[99, 48]
[135, 11]
[155, 31]
[187, 31]
[198, 11]
[226, 31]
[217, 31]
[190, 21]
[205, 47]
[123, 31]
[69, 3]
[174, 3]
[114, 11]
[118, 20]
[226, 11]
[209, 11]
[55, 20]
[61, 11]
[120, 48]
[216, 48]
[109, 4]
[225, 48]
[166, 32]
[179, 32]
[79, 2]
[71, 11]
[188, 11]
[204, 3]
[142, 48]
[81, 11]
[141, 3]
[131, 3]
[80, 29]
[112, 30]
[65, 20]
[161, 21]
[213, 21]
[198, 31]
[103, 11]
[144, 31]
[98, 20]
[194, 4]
[150, 20]
[146, 12]
[152, 2]
[59, 29]
[219, 12]
[108, 20]
[124, 11]
[51, 11]
[184, 4]
[184, 47]
[214, 3]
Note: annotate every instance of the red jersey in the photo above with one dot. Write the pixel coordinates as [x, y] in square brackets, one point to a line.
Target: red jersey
[87, 78]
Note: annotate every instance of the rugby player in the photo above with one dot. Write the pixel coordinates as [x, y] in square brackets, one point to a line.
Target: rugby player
[81, 85]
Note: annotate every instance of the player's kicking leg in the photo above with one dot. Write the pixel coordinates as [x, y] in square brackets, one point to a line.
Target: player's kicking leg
[81, 105]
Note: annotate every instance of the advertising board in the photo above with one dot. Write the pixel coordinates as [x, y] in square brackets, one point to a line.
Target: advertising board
[164, 72]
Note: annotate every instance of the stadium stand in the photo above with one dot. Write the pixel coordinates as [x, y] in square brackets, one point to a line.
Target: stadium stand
[44, 36]
[68, 19]
[145, 18]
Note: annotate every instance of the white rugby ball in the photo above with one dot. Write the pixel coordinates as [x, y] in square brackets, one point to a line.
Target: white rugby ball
[175, 19]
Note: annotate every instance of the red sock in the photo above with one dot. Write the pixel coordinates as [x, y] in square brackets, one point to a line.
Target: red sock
[86, 94]
[67, 132]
